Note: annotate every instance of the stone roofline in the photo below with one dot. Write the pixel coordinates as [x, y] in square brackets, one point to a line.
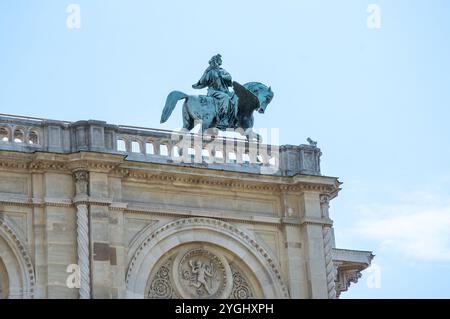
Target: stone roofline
[29, 134]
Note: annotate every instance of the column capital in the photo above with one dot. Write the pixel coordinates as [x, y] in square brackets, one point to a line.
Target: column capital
[324, 199]
[81, 182]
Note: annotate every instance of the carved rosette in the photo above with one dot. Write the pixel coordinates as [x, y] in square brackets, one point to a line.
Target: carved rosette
[161, 286]
[241, 288]
[81, 184]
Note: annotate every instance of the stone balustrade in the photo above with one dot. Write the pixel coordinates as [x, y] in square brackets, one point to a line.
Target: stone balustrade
[27, 134]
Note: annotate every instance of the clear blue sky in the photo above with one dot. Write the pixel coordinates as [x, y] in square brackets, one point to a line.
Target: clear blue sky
[377, 100]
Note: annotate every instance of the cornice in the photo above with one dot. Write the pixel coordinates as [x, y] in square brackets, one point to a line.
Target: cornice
[307, 221]
[274, 184]
[13, 164]
[349, 265]
[59, 202]
[115, 165]
[47, 166]
[18, 203]
[42, 161]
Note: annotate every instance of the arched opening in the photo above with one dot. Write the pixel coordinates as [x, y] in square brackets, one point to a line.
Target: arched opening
[149, 149]
[121, 146]
[201, 270]
[16, 270]
[196, 246]
[135, 147]
[4, 284]
[18, 136]
[33, 138]
[176, 152]
[4, 134]
[163, 150]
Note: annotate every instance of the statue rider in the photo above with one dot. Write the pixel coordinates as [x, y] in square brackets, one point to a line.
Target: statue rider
[218, 80]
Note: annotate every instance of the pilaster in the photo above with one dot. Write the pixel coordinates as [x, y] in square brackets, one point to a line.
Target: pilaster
[293, 259]
[311, 228]
[40, 236]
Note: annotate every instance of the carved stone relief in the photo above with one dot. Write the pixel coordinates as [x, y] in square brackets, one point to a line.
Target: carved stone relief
[199, 273]
[81, 182]
[345, 278]
[161, 286]
[241, 287]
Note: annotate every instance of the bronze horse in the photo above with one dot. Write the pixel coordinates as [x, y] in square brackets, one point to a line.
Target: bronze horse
[252, 96]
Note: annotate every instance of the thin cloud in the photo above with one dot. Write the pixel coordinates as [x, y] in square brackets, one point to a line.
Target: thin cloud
[418, 227]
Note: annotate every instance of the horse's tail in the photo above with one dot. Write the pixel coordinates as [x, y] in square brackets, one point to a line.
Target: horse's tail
[171, 101]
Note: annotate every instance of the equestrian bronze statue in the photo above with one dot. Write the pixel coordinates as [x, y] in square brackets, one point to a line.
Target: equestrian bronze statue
[220, 108]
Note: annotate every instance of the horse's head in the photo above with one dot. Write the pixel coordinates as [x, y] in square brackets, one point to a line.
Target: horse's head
[264, 100]
[262, 92]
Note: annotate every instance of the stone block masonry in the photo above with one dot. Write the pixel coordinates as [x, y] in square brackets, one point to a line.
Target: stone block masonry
[234, 219]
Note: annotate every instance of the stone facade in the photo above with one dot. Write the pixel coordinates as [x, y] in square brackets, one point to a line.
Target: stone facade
[112, 207]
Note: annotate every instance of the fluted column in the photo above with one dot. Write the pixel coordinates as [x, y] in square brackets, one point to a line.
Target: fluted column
[81, 182]
[328, 242]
